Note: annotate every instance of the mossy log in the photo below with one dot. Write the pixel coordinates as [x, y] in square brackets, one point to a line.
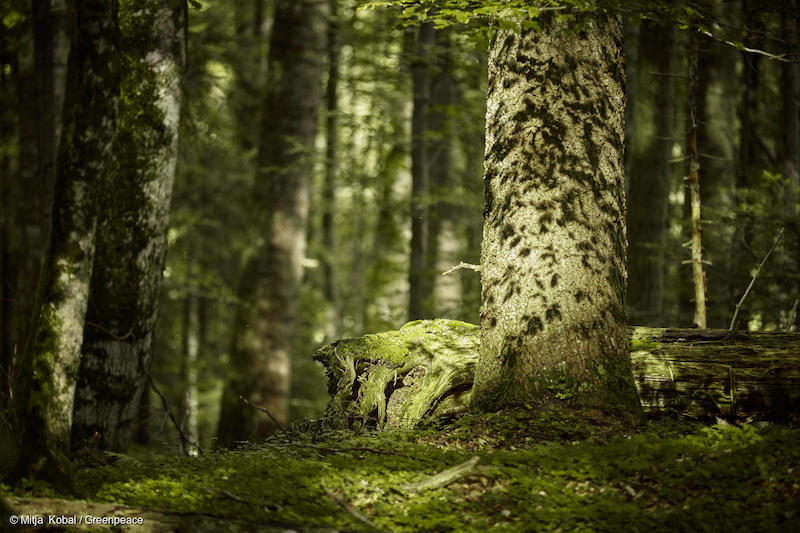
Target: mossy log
[396, 378]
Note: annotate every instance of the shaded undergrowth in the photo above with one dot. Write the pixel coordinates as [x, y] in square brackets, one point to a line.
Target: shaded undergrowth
[545, 472]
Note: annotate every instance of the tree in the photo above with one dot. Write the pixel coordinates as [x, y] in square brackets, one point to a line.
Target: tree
[553, 254]
[649, 182]
[329, 269]
[420, 181]
[269, 287]
[131, 243]
[52, 353]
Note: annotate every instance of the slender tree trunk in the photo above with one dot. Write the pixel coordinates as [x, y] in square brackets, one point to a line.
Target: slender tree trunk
[439, 153]
[631, 40]
[331, 169]
[191, 350]
[749, 159]
[790, 90]
[421, 86]
[53, 351]
[249, 67]
[698, 275]
[269, 288]
[7, 211]
[649, 184]
[553, 255]
[132, 238]
[50, 49]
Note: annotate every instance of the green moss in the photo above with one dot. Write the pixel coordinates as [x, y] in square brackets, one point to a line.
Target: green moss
[644, 345]
[540, 471]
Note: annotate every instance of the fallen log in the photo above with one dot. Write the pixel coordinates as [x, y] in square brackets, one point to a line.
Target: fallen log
[425, 368]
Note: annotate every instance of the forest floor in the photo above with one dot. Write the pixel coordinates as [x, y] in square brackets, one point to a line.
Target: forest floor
[503, 472]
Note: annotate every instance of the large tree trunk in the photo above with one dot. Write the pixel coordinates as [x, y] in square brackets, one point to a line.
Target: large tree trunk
[553, 254]
[396, 378]
[268, 291]
[53, 352]
[132, 236]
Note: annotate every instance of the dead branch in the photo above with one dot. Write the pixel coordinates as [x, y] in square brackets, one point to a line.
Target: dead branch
[262, 409]
[446, 477]
[753, 281]
[461, 266]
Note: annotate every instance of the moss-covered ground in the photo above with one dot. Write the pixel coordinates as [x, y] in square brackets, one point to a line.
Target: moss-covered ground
[537, 472]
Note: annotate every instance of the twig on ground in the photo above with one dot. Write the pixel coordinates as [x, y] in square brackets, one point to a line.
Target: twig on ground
[335, 450]
[753, 281]
[446, 476]
[235, 498]
[353, 512]
[461, 266]
[262, 409]
[184, 439]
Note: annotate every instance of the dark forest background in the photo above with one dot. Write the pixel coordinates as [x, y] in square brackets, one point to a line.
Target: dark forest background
[396, 196]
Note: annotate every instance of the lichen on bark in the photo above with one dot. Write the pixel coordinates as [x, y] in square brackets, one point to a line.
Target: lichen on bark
[133, 210]
[49, 368]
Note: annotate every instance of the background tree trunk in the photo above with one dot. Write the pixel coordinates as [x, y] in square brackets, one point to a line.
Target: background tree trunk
[420, 186]
[330, 283]
[53, 352]
[650, 180]
[439, 152]
[698, 274]
[269, 287]
[132, 236]
[553, 254]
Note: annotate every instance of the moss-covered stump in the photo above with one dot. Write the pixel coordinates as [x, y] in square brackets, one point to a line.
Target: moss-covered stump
[396, 378]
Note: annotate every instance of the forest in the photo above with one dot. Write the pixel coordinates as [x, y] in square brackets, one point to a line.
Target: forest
[405, 265]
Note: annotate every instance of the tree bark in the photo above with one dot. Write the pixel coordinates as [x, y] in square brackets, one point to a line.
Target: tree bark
[421, 84]
[268, 290]
[132, 237]
[397, 378]
[553, 253]
[53, 351]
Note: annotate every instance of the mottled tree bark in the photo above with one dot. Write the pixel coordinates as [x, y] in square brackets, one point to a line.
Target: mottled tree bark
[553, 254]
[649, 182]
[268, 291]
[421, 87]
[132, 233]
[53, 351]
